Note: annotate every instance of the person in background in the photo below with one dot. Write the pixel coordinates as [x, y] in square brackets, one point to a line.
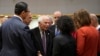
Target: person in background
[53, 28]
[86, 35]
[42, 36]
[51, 19]
[0, 39]
[56, 16]
[16, 40]
[3, 19]
[64, 44]
[28, 19]
[94, 21]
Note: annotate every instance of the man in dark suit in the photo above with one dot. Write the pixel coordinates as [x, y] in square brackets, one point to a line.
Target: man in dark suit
[53, 28]
[0, 39]
[42, 36]
[16, 40]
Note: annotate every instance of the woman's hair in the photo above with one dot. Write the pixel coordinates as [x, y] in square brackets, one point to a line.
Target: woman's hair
[65, 25]
[82, 18]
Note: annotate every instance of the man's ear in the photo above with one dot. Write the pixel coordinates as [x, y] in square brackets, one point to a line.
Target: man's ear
[39, 23]
[23, 12]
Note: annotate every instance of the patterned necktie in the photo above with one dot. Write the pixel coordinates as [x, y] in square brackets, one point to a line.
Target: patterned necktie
[44, 41]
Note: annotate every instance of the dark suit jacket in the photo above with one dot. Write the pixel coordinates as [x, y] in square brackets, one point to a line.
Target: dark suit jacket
[0, 39]
[52, 29]
[38, 41]
[64, 45]
[16, 39]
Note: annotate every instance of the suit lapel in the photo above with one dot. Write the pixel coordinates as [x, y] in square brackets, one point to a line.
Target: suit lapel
[39, 37]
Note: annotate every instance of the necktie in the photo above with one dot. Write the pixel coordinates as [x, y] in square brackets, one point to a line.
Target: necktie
[44, 41]
[57, 31]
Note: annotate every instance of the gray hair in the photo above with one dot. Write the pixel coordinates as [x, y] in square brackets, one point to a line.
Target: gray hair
[40, 18]
[93, 16]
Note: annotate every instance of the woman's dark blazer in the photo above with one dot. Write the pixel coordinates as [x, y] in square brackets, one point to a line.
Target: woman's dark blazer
[64, 45]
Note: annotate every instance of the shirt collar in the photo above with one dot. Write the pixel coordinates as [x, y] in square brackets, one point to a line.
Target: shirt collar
[18, 17]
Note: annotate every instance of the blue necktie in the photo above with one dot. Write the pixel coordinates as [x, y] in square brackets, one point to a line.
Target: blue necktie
[57, 31]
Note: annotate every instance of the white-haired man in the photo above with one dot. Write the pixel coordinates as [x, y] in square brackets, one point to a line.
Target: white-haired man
[42, 36]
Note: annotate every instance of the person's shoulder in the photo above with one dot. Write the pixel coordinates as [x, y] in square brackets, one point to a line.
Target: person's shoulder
[52, 26]
[35, 29]
[14, 23]
[83, 28]
[58, 37]
[98, 27]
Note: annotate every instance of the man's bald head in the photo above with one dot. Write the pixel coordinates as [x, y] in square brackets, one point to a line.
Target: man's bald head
[56, 15]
